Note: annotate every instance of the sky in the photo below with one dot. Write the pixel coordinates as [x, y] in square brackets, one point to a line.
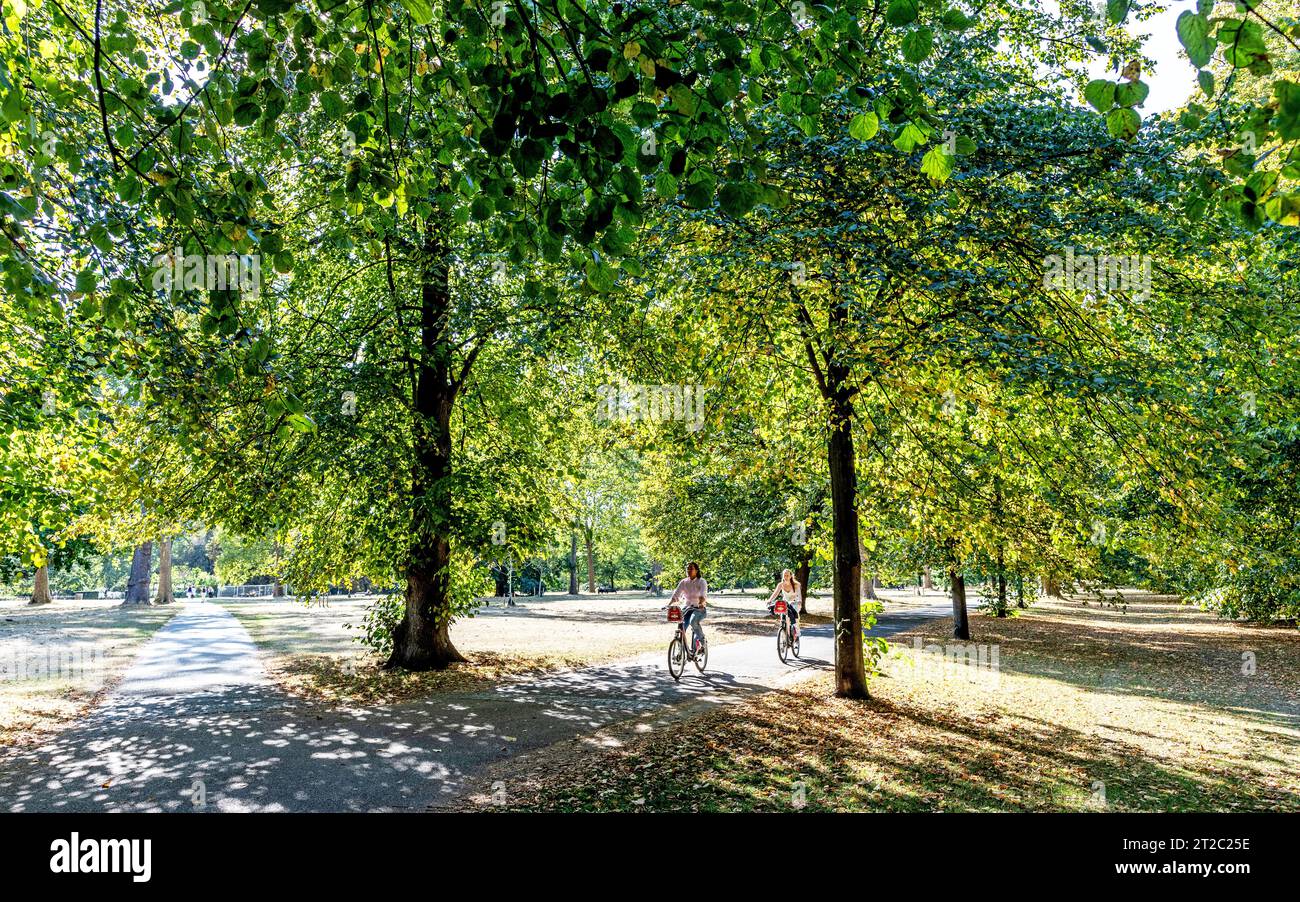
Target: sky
[1173, 80]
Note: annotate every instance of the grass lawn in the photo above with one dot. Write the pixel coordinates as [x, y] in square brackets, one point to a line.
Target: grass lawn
[58, 660]
[1092, 708]
[312, 652]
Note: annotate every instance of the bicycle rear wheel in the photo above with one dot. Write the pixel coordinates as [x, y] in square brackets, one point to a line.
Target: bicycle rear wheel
[676, 657]
[702, 656]
[794, 643]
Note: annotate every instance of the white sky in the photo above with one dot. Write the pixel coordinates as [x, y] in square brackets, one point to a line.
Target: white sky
[1173, 80]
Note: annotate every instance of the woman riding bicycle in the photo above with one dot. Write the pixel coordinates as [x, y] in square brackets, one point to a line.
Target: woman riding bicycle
[692, 591]
[791, 592]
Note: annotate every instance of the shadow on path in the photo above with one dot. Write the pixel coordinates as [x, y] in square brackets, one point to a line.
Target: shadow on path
[196, 718]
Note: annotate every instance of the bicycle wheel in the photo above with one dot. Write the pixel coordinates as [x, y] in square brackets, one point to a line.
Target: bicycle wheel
[702, 656]
[782, 643]
[676, 657]
[794, 644]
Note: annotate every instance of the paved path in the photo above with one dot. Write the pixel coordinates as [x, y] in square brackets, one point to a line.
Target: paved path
[195, 718]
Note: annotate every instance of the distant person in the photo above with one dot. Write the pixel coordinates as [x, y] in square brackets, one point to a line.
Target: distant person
[791, 592]
[693, 592]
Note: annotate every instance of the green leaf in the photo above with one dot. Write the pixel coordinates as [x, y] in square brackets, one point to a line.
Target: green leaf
[247, 112]
[1131, 93]
[901, 12]
[665, 185]
[421, 11]
[1123, 123]
[864, 126]
[1206, 79]
[1194, 33]
[601, 276]
[1288, 109]
[699, 194]
[1100, 93]
[937, 164]
[300, 422]
[1117, 10]
[909, 138]
[956, 19]
[917, 44]
[738, 198]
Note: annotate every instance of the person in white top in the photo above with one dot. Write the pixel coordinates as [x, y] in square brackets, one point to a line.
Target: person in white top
[693, 592]
[791, 592]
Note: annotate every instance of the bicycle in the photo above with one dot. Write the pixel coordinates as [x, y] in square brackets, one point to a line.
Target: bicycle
[787, 634]
[679, 651]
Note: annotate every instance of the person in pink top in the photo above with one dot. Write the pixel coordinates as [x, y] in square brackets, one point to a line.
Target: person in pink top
[692, 592]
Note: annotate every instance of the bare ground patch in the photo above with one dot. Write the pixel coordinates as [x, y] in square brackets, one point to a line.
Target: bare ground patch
[58, 661]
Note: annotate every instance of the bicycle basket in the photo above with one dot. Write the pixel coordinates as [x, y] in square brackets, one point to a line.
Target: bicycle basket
[674, 614]
[779, 607]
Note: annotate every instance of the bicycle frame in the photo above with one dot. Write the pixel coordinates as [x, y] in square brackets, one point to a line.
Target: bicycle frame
[689, 652]
[787, 629]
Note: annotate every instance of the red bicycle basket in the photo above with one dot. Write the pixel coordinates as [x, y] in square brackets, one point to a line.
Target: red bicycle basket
[779, 607]
[674, 614]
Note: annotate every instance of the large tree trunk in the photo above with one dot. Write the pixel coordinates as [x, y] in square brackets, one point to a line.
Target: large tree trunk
[573, 562]
[1002, 586]
[801, 575]
[960, 622]
[137, 584]
[850, 669]
[927, 582]
[277, 589]
[164, 595]
[1051, 587]
[868, 582]
[421, 640]
[41, 587]
[591, 561]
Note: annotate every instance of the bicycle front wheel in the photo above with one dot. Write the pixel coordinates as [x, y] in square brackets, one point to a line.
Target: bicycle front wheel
[676, 657]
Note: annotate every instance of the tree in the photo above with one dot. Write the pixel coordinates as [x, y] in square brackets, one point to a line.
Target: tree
[137, 586]
[41, 587]
[401, 140]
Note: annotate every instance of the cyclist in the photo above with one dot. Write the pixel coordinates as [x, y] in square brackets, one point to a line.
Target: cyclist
[692, 591]
[789, 590]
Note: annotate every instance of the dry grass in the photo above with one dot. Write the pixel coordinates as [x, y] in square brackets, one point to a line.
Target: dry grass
[58, 661]
[1092, 709]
